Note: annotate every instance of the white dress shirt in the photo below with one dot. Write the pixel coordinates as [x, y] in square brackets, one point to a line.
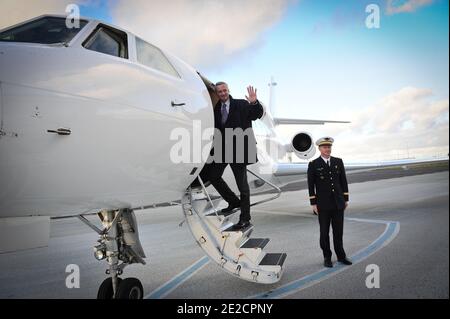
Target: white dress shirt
[327, 160]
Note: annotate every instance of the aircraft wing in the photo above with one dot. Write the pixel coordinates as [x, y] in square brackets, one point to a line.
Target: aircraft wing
[354, 166]
[292, 169]
[289, 169]
[279, 121]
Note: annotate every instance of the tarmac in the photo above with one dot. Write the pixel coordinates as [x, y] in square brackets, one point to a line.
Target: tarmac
[396, 227]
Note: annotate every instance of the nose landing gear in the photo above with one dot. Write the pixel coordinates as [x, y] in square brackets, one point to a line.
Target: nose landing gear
[119, 244]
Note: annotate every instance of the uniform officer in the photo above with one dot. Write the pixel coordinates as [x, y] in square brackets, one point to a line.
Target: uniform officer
[328, 195]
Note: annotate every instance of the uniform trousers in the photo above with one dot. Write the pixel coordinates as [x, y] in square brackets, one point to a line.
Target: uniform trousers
[335, 218]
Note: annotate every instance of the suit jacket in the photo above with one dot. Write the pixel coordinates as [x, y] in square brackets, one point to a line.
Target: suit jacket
[240, 115]
[328, 187]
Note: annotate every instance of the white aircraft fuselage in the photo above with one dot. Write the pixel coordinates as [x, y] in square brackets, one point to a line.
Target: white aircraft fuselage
[120, 116]
[89, 119]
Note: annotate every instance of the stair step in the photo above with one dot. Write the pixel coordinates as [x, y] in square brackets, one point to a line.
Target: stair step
[219, 212]
[228, 213]
[233, 229]
[209, 211]
[215, 201]
[256, 243]
[231, 248]
[273, 259]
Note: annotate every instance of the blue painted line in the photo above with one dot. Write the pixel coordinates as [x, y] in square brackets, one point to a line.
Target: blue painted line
[176, 281]
[389, 233]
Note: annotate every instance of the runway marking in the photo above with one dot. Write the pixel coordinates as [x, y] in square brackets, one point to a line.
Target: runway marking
[390, 232]
[165, 289]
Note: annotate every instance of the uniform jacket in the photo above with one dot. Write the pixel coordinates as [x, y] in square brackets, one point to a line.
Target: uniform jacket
[240, 115]
[328, 187]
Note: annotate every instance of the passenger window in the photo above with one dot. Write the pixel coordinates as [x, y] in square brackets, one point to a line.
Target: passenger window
[152, 57]
[108, 41]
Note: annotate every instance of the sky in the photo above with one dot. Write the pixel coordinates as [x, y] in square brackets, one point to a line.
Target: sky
[391, 82]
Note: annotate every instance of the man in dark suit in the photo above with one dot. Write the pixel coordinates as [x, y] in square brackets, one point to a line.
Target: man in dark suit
[328, 195]
[234, 145]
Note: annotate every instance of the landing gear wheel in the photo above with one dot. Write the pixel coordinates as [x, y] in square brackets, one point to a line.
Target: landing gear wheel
[130, 288]
[106, 289]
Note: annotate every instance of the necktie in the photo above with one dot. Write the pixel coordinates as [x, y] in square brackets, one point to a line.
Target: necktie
[224, 113]
[328, 163]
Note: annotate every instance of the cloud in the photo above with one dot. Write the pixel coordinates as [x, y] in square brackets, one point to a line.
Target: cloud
[396, 6]
[15, 11]
[406, 122]
[342, 18]
[204, 33]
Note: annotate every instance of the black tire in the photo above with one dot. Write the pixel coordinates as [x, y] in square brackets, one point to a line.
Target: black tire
[105, 291]
[130, 288]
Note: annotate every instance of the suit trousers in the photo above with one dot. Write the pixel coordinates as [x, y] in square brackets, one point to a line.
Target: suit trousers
[335, 217]
[215, 173]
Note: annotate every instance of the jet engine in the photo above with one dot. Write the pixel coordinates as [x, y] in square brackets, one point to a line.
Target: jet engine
[302, 145]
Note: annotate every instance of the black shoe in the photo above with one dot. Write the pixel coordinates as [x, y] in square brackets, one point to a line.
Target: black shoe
[327, 263]
[345, 261]
[230, 208]
[241, 225]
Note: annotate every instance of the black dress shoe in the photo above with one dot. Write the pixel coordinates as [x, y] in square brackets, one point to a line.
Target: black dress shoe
[345, 261]
[231, 207]
[327, 263]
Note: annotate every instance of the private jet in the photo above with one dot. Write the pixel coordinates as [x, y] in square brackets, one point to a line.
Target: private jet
[86, 116]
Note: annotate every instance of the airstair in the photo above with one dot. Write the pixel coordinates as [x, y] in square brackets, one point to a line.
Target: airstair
[232, 249]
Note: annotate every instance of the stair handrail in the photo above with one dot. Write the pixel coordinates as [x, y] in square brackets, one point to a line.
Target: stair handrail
[207, 196]
[278, 193]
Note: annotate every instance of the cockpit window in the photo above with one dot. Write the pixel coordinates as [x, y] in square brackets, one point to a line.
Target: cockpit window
[153, 57]
[108, 41]
[47, 30]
